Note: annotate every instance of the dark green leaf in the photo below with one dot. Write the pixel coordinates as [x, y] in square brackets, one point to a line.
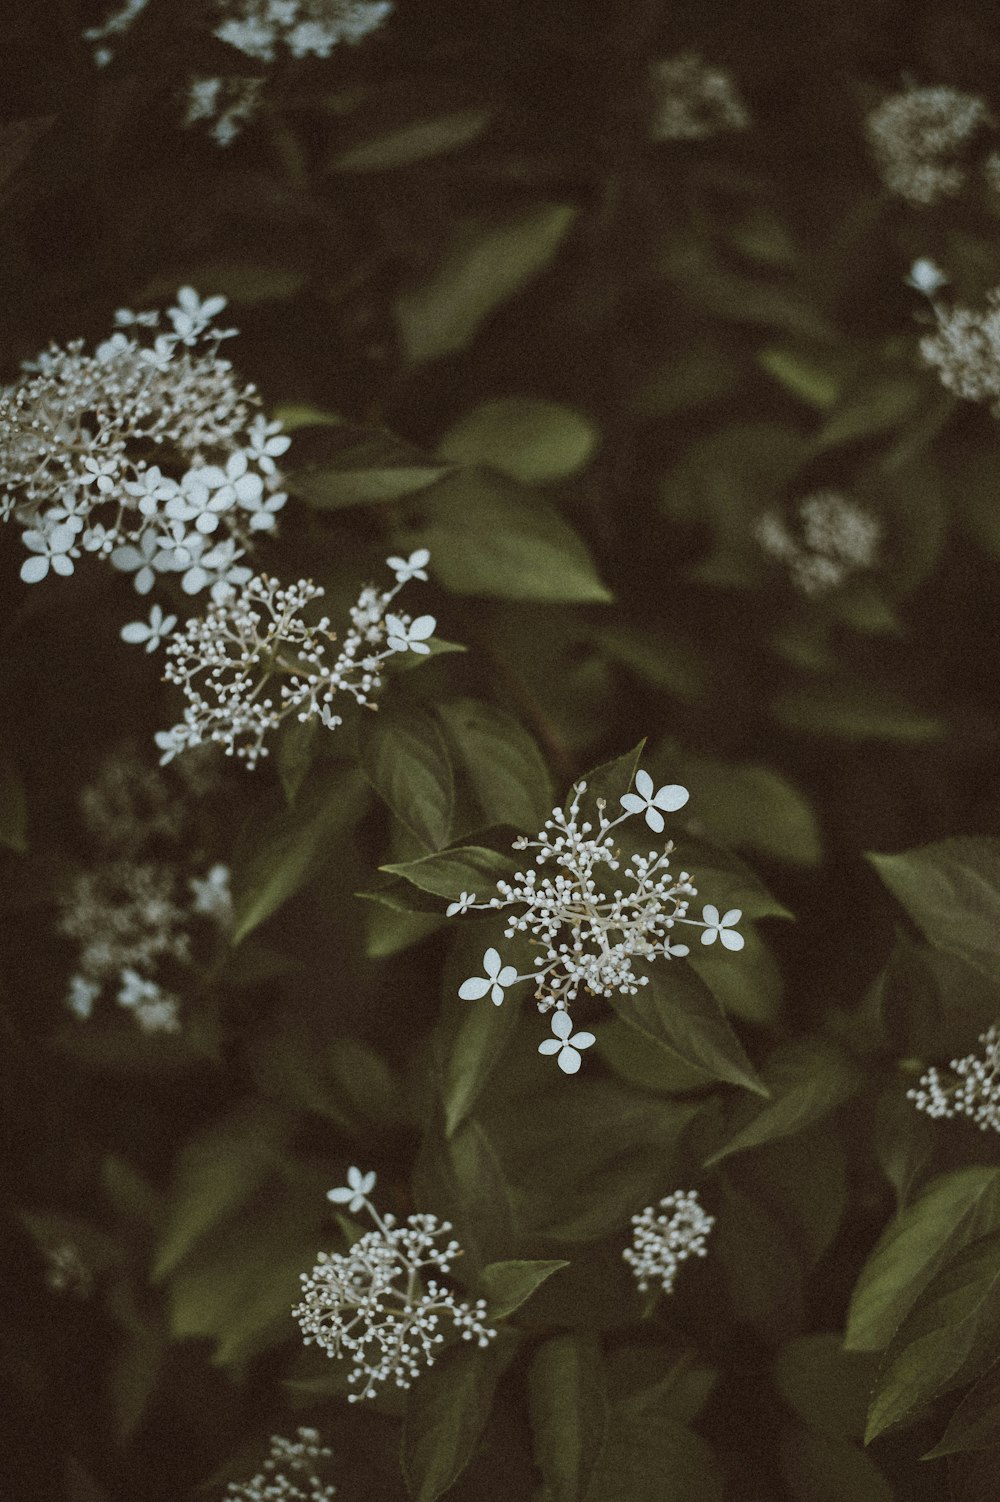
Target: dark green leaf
[655, 1462]
[819, 1468]
[508, 774]
[415, 141]
[449, 873]
[807, 1080]
[827, 1386]
[405, 758]
[347, 465]
[975, 1424]
[951, 890]
[507, 1285]
[567, 1399]
[523, 437]
[446, 1413]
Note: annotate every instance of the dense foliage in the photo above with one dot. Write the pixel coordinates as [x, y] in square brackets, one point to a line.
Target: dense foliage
[543, 1059]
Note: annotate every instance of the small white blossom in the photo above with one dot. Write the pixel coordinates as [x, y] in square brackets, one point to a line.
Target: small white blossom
[920, 140]
[721, 928]
[212, 895]
[115, 24]
[965, 350]
[694, 100]
[227, 105]
[54, 547]
[290, 1473]
[926, 276]
[409, 636]
[590, 934]
[159, 627]
[661, 1242]
[66, 1271]
[464, 902]
[414, 567]
[975, 1092]
[836, 539]
[645, 801]
[377, 1304]
[567, 1047]
[498, 977]
[306, 28]
[355, 1195]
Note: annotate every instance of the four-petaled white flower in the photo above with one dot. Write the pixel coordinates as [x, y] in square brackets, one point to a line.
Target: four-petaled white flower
[360, 1186]
[721, 928]
[498, 977]
[54, 548]
[192, 316]
[152, 634]
[409, 636]
[567, 1047]
[462, 905]
[645, 801]
[414, 567]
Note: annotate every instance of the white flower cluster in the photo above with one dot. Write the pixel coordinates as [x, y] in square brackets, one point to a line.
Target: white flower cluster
[974, 1093]
[290, 1473]
[66, 1272]
[225, 662]
[225, 104]
[694, 100]
[837, 538]
[965, 350]
[305, 28]
[78, 432]
[589, 935]
[920, 140]
[662, 1241]
[375, 1303]
[132, 913]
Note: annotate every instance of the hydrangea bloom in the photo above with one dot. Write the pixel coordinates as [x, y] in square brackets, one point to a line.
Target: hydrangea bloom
[836, 538]
[590, 934]
[305, 28]
[965, 350]
[375, 1302]
[975, 1092]
[661, 1241]
[290, 1473]
[228, 663]
[694, 100]
[920, 139]
[146, 452]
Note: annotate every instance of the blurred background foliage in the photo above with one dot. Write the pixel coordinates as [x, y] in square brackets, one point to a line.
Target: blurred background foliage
[578, 364]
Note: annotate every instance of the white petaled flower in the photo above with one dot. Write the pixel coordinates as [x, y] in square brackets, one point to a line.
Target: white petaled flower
[591, 933]
[645, 801]
[227, 105]
[567, 1047]
[291, 1472]
[253, 661]
[925, 276]
[836, 539]
[381, 1303]
[212, 895]
[498, 977]
[304, 28]
[409, 636]
[662, 1241]
[54, 547]
[974, 1092]
[414, 567]
[694, 100]
[464, 901]
[920, 140]
[192, 315]
[81, 996]
[721, 928]
[355, 1195]
[965, 351]
[159, 627]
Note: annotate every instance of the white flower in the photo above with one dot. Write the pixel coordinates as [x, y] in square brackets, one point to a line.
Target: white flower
[497, 978]
[409, 636]
[926, 276]
[564, 1045]
[191, 316]
[141, 558]
[975, 1092]
[152, 634]
[55, 548]
[263, 511]
[218, 570]
[381, 1301]
[265, 442]
[289, 1473]
[212, 895]
[82, 995]
[150, 488]
[721, 928]
[660, 1243]
[414, 567]
[644, 800]
[360, 1187]
[101, 472]
[464, 902]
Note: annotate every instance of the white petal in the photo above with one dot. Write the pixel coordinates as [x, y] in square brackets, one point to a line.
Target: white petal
[422, 627]
[496, 996]
[710, 913]
[491, 963]
[654, 819]
[731, 938]
[644, 784]
[136, 631]
[507, 976]
[672, 797]
[562, 1024]
[340, 1196]
[583, 1040]
[732, 916]
[473, 988]
[551, 1045]
[33, 570]
[709, 935]
[632, 803]
[569, 1060]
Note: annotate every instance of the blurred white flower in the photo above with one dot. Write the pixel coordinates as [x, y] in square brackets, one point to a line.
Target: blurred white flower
[359, 1187]
[661, 1242]
[974, 1092]
[414, 567]
[462, 905]
[159, 626]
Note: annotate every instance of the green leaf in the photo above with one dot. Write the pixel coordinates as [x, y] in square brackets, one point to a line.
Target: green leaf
[814, 375]
[404, 756]
[951, 890]
[677, 1010]
[525, 438]
[489, 536]
[975, 1424]
[954, 1324]
[415, 141]
[807, 1079]
[345, 464]
[218, 1171]
[507, 1285]
[295, 754]
[762, 1271]
[486, 265]
[275, 858]
[465, 868]
[818, 1468]
[446, 1413]
[750, 989]
[877, 403]
[953, 1210]
[13, 809]
[856, 711]
[827, 1386]
[390, 931]
[610, 780]
[661, 1461]
[568, 1403]
[745, 805]
[508, 773]
[636, 1058]
[470, 1037]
